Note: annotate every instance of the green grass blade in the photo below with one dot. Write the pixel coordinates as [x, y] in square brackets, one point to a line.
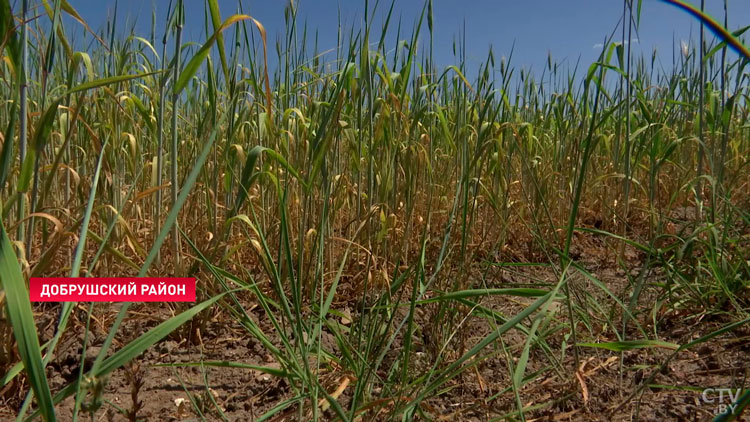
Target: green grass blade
[227, 364]
[464, 294]
[736, 410]
[108, 81]
[714, 26]
[24, 329]
[249, 175]
[213, 6]
[621, 346]
[6, 157]
[194, 64]
[135, 348]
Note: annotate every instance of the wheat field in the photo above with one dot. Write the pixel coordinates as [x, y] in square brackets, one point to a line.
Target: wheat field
[374, 237]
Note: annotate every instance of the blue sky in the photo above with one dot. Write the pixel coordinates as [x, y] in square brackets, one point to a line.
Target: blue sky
[569, 29]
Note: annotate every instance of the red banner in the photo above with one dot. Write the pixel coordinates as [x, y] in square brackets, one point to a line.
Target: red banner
[116, 289]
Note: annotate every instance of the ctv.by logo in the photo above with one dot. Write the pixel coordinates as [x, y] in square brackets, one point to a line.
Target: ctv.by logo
[725, 399]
